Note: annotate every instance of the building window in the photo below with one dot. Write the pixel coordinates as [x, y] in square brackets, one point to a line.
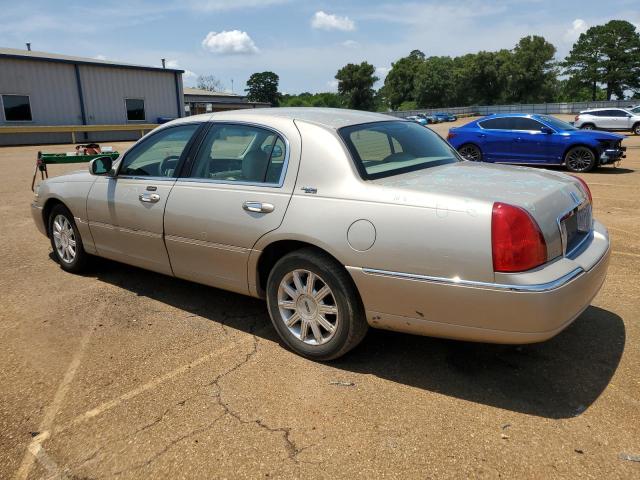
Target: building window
[17, 108]
[135, 109]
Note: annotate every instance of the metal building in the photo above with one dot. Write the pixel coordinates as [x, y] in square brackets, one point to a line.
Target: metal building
[46, 89]
[198, 101]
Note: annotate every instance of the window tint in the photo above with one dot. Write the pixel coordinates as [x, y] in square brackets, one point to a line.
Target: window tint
[240, 153]
[16, 108]
[497, 123]
[135, 109]
[522, 123]
[382, 149]
[557, 124]
[158, 155]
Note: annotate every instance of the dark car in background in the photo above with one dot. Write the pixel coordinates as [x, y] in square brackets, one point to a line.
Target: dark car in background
[535, 140]
[445, 117]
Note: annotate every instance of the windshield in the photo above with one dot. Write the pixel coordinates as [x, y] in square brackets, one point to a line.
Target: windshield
[556, 123]
[383, 149]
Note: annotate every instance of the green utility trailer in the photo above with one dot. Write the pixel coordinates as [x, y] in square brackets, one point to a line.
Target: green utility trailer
[45, 159]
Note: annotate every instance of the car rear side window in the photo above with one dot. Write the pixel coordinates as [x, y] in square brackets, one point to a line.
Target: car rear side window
[382, 149]
[240, 153]
[504, 123]
[524, 123]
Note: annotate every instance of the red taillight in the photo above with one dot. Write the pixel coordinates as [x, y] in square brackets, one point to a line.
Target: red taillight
[516, 240]
[585, 187]
[576, 119]
[450, 135]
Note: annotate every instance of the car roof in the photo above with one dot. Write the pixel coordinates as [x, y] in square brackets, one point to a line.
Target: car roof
[507, 115]
[603, 108]
[333, 118]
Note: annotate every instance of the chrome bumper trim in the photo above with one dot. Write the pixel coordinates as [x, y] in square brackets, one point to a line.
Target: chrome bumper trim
[540, 287]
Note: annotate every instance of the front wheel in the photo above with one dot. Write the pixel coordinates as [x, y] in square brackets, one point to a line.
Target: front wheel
[66, 241]
[580, 159]
[470, 152]
[314, 305]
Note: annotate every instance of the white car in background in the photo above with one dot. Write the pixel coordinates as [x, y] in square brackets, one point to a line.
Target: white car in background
[609, 119]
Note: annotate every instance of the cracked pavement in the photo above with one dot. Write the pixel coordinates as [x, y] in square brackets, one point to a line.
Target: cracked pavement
[138, 375]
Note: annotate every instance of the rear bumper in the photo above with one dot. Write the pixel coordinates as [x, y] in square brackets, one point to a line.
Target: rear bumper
[474, 311]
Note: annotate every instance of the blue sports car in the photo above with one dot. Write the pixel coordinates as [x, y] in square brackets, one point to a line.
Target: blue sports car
[535, 140]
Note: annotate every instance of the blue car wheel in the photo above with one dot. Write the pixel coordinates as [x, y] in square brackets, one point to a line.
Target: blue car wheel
[470, 152]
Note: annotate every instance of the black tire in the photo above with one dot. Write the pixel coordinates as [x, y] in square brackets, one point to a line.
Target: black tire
[350, 322]
[636, 128]
[470, 152]
[588, 126]
[78, 262]
[580, 159]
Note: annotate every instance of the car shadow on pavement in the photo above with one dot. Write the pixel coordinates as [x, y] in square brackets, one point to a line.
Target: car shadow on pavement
[559, 378]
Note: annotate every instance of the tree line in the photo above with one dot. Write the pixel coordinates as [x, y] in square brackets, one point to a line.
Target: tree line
[603, 62]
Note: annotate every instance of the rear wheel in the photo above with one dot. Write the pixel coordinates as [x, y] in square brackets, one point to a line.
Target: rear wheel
[471, 152]
[314, 305]
[588, 126]
[66, 241]
[636, 128]
[580, 159]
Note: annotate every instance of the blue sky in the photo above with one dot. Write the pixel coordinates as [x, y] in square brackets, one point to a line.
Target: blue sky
[304, 42]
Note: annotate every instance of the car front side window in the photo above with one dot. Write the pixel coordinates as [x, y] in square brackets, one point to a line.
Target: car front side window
[240, 153]
[158, 155]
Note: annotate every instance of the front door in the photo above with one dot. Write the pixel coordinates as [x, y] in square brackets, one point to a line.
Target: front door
[234, 193]
[126, 212]
[530, 143]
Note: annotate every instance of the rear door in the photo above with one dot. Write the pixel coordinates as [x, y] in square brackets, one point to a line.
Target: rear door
[236, 190]
[495, 139]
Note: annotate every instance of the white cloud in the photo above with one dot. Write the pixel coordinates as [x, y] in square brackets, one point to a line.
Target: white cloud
[382, 72]
[229, 42]
[333, 85]
[578, 26]
[328, 21]
[350, 44]
[187, 75]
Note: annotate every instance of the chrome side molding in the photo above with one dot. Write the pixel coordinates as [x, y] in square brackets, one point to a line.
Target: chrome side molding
[540, 287]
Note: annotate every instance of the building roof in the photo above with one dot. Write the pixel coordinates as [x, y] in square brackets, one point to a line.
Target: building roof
[55, 57]
[208, 93]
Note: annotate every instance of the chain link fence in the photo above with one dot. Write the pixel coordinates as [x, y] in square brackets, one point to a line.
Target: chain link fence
[566, 108]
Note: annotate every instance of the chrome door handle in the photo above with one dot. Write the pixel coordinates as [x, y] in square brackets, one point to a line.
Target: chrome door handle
[258, 207]
[149, 197]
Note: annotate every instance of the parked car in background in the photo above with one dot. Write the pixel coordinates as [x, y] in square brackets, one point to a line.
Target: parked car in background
[430, 119]
[329, 227]
[618, 119]
[445, 117]
[536, 140]
[634, 109]
[417, 119]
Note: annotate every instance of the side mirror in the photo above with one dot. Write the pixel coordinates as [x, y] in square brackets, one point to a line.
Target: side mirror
[546, 130]
[100, 166]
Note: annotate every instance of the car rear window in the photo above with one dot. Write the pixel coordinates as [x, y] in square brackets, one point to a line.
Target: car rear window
[382, 149]
[504, 123]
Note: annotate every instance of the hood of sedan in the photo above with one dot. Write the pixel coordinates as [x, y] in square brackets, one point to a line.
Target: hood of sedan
[597, 135]
[74, 176]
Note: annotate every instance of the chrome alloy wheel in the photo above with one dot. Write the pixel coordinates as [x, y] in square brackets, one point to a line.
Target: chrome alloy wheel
[64, 239]
[470, 152]
[307, 307]
[580, 159]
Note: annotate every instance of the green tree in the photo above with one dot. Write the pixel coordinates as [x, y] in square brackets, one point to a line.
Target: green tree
[609, 55]
[532, 71]
[355, 84]
[399, 84]
[434, 83]
[263, 87]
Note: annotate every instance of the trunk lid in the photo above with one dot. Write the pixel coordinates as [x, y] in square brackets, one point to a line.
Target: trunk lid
[548, 196]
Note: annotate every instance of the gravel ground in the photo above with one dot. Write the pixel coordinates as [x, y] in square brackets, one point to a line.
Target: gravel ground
[123, 373]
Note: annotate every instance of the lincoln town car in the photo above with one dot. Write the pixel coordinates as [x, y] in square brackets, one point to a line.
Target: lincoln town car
[341, 220]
